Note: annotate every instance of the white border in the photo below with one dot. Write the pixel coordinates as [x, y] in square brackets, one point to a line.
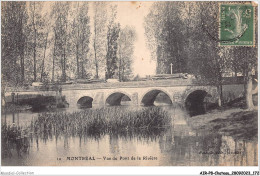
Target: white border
[117, 170]
[95, 170]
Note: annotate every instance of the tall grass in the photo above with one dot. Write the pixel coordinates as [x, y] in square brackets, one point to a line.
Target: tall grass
[102, 121]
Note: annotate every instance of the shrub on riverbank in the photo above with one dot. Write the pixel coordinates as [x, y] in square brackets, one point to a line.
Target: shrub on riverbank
[36, 103]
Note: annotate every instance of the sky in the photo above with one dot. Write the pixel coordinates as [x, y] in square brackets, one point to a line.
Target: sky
[132, 14]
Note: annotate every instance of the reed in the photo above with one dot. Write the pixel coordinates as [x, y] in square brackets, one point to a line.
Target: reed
[102, 121]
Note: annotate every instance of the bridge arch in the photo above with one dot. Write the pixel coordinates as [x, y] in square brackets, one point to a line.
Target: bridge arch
[149, 97]
[194, 101]
[85, 102]
[115, 98]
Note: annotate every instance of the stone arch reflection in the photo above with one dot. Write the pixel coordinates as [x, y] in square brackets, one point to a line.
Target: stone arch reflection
[85, 102]
[117, 99]
[156, 96]
[194, 102]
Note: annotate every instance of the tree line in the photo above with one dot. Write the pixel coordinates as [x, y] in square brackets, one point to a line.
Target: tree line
[186, 35]
[64, 42]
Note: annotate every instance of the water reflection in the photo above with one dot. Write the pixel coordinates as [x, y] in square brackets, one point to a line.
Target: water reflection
[176, 145]
[14, 141]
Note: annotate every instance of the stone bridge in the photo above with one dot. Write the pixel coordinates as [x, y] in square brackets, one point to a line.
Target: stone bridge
[182, 91]
[135, 93]
[138, 95]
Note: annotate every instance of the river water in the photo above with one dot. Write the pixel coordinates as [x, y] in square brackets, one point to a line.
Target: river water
[179, 145]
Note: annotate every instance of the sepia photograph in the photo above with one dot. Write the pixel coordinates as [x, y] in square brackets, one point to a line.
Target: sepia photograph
[120, 83]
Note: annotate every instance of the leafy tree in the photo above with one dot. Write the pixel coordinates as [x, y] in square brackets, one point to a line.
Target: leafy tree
[112, 45]
[45, 41]
[13, 41]
[80, 34]
[84, 20]
[165, 37]
[99, 34]
[175, 32]
[213, 62]
[60, 15]
[247, 57]
[36, 38]
[126, 40]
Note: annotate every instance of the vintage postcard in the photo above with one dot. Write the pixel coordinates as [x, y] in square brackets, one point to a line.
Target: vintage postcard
[169, 83]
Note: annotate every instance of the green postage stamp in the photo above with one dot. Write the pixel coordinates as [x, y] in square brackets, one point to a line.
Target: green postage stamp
[237, 25]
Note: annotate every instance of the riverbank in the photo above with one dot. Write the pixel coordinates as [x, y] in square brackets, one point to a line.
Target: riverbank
[38, 103]
[236, 122]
